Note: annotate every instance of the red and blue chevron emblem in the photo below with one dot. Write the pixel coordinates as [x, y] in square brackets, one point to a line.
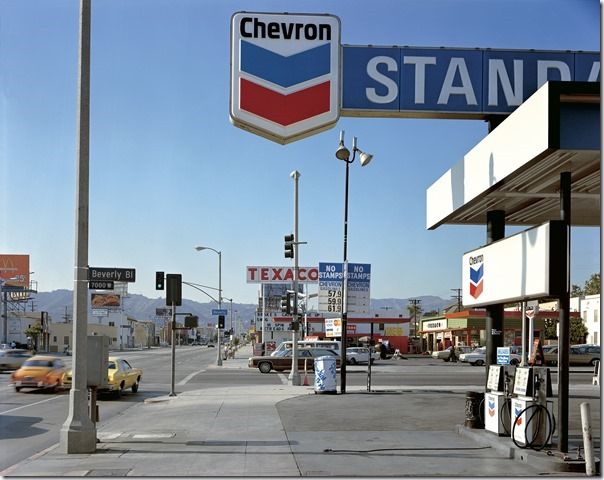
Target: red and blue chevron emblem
[284, 74]
[476, 280]
[491, 408]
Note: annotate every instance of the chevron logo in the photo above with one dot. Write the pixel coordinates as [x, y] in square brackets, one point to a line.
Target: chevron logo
[491, 408]
[517, 412]
[476, 280]
[285, 81]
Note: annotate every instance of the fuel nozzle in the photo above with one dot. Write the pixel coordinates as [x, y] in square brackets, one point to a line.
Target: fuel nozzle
[537, 382]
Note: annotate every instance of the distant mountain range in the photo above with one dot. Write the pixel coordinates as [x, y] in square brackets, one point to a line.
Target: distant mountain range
[59, 305]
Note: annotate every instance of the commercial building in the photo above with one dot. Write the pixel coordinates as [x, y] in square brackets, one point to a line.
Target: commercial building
[468, 327]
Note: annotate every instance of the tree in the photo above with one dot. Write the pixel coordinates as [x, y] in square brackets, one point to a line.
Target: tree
[592, 286]
[576, 291]
[34, 331]
[550, 329]
[578, 330]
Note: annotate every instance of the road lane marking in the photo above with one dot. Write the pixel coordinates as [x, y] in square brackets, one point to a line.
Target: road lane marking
[30, 404]
[189, 377]
[283, 378]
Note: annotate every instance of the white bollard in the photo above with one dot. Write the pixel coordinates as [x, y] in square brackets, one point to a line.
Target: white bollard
[590, 463]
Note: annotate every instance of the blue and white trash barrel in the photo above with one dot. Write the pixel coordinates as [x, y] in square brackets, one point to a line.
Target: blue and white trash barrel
[325, 374]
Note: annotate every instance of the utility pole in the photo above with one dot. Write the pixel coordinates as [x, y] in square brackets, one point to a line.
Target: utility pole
[458, 297]
[415, 302]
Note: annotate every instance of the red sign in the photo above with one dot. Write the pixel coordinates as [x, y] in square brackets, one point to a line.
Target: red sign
[14, 270]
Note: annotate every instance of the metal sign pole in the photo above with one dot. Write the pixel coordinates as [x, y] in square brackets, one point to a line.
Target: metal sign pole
[173, 336]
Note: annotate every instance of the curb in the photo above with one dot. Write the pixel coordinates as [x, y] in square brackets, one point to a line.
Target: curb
[546, 458]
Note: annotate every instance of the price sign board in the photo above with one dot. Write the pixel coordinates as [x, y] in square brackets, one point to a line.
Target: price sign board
[359, 278]
[331, 287]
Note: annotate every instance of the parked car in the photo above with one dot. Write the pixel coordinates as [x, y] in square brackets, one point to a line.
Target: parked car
[121, 376]
[475, 357]
[356, 355]
[283, 361]
[446, 353]
[40, 371]
[479, 356]
[11, 359]
[578, 355]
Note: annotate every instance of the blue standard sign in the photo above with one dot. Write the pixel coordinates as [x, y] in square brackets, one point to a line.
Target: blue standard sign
[453, 83]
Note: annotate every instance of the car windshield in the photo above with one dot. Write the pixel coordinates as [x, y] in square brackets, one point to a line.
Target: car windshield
[38, 363]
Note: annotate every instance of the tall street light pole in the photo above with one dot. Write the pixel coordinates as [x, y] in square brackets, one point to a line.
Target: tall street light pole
[199, 248]
[78, 433]
[342, 153]
[294, 375]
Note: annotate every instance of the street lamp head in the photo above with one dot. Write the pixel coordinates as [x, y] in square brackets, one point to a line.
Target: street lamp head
[342, 153]
[199, 248]
[364, 158]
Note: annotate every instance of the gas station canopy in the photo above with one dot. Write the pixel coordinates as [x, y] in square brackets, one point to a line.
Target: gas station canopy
[516, 168]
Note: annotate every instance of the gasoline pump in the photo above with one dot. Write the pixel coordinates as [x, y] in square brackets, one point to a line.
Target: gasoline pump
[497, 402]
[532, 415]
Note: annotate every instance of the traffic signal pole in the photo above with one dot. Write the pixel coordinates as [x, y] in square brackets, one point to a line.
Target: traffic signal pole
[294, 376]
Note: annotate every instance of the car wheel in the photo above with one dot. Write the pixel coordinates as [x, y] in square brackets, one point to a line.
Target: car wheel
[135, 385]
[594, 361]
[479, 362]
[353, 361]
[447, 359]
[264, 367]
[120, 391]
[514, 362]
[17, 389]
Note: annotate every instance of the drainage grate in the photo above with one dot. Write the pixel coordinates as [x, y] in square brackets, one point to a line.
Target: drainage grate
[108, 472]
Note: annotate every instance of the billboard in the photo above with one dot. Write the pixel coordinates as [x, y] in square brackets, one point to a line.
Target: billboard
[521, 267]
[14, 270]
[105, 300]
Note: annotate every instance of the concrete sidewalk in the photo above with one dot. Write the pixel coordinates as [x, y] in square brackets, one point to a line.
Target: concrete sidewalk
[283, 430]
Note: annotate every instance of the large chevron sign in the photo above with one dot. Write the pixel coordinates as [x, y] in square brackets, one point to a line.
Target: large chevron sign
[285, 74]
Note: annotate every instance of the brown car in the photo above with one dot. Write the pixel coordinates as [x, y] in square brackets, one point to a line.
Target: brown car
[578, 355]
[283, 360]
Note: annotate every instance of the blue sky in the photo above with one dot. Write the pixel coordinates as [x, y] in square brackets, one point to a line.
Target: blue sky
[168, 171]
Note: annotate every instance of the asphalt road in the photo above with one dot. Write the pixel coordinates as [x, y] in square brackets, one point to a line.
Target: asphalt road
[30, 421]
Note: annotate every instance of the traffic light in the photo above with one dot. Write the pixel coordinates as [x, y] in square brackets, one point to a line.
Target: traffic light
[174, 291]
[286, 307]
[191, 321]
[159, 280]
[220, 321]
[289, 246]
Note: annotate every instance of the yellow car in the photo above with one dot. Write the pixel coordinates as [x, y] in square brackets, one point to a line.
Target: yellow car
[40, 371]
[121, 376]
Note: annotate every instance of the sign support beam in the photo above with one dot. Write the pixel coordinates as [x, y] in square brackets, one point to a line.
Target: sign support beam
[564, 315]
[494, 320]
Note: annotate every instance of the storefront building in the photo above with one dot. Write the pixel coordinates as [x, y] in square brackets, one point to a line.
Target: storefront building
[468, 328]
[393, 331]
